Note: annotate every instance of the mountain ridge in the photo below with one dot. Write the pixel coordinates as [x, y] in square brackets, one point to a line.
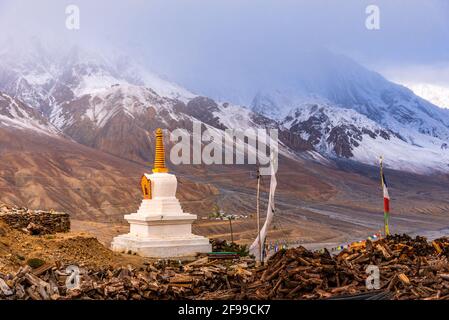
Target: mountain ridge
[106, 104]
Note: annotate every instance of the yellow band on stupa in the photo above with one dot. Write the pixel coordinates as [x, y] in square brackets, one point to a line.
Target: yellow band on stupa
[159, 157]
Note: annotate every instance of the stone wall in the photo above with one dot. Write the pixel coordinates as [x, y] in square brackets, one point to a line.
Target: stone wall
[35, 221]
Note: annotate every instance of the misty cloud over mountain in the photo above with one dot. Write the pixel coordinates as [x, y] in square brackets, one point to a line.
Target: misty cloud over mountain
[231, 49]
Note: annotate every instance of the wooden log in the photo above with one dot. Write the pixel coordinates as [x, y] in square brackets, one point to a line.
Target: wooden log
[444, 276]
[5, 289]
[437, 247]
[275, 273]
[404, 279]
[276, 286]
[384, 251]
[42, 269]
[181, 278]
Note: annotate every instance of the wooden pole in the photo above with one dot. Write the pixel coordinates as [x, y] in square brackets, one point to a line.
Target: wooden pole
[386, 214]
[258, 214]
[230, 226]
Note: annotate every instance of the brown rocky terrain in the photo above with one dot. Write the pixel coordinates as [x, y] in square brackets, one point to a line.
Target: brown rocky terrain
[18, 249]
[40, 171]
[75, 266]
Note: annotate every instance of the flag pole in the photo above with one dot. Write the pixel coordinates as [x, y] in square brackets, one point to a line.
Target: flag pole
[258, 214]
[386, 213]
[262, 232]
[230, 227]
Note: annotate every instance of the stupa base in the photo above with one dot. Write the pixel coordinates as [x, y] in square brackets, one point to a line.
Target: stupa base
[183, 247]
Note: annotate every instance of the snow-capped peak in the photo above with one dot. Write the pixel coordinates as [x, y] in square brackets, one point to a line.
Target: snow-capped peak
[345, 133]
[44, 79]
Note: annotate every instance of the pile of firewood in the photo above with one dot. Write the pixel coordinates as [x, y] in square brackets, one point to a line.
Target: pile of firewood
[160, 280]
[408, 268]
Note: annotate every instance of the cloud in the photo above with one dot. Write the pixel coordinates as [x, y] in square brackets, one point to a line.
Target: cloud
[219, 46]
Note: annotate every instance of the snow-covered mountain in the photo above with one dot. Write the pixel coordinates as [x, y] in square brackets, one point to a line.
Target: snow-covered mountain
[345, 133]
[329, 104]
[438, 95]
[335, 105]
[120, 119]
[44, 79]
[341, 82]
[15, 114]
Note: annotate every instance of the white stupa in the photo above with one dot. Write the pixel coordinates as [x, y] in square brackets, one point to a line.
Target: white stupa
[160, 228]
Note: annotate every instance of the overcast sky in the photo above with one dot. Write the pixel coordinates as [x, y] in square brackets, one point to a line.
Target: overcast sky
[201, 43]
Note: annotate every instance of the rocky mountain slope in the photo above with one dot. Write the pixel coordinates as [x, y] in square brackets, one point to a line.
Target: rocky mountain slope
[45, 77]
[114, 105]
[16, 114]
[345, 133]
[48, 172]
[336, 84]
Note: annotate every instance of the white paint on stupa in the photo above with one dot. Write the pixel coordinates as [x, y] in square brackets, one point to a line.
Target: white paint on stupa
[160, 228]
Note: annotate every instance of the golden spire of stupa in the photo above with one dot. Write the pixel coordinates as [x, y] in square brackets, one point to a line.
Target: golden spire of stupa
[159, 158]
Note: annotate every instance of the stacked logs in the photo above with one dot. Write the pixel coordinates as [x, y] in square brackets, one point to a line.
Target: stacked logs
[408, 268]
[161, 280]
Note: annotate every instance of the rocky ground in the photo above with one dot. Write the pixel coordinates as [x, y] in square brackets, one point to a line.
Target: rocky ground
[18, 248]
[76, 265]
[36, 267]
